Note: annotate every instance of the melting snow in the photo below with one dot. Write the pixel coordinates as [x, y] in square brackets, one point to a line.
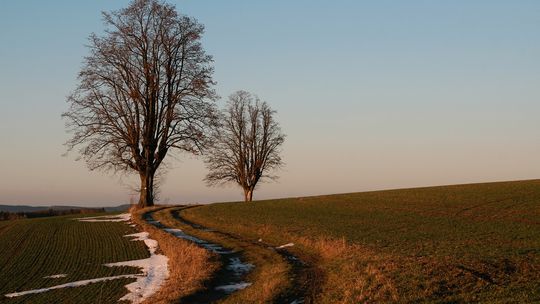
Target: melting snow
[238, 267]
[233, 287]
[234, 264]
[286, 245]
[144, 236]
[56, 276]
[154, 269]
[124, 217]
[180, 234]
[154, 222]
[212, 247]
[71, 284]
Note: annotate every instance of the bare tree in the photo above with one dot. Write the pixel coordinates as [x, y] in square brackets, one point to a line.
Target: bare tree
[246, 146]
[145, 88]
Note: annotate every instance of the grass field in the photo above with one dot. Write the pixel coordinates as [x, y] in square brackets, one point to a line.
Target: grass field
[452, 244]
[35, 248]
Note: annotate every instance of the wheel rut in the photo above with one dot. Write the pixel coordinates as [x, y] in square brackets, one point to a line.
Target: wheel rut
[227, 280]
[302, 277]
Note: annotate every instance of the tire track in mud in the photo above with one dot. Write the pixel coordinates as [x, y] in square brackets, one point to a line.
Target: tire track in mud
[304, 282]
[227, 280]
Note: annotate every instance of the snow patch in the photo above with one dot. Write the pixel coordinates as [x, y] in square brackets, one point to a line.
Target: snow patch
[180, 234]
[209, 246]
[124, 217]
[154, 269]
[233, 287]
[173, 230]
[56, 276]
[238, 267]
[286, 245]
[234, 264]
[71, 284]
[144, 236]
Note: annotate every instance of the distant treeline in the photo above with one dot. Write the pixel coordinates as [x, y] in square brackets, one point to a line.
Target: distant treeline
[4, 216]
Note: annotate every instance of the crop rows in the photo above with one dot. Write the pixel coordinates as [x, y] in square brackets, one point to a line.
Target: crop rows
[35, 248]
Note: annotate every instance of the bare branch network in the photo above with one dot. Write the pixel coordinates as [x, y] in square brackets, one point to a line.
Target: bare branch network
[246, 147]
[145, 88]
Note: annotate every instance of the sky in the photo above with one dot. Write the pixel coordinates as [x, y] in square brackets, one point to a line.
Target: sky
[371, 94]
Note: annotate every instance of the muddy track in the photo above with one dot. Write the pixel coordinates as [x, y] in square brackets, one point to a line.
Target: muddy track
[227, 280]
[305, 280]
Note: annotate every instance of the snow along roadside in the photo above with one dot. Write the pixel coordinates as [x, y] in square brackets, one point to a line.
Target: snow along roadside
[123, 217]
[154, 269]
[71, 284]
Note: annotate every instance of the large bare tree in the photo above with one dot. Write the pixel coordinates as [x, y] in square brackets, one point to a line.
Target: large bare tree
[246, 146]
[145, 88]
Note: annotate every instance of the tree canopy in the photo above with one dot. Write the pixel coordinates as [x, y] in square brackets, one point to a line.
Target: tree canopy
[145, 88]
[246, 147]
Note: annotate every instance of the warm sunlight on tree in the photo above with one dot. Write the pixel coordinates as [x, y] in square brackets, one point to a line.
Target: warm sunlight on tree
[145, 89]
[246, 147]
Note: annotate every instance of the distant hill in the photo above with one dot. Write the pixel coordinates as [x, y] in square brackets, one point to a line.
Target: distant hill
[21, 208]
[119, 208]
[25, 208]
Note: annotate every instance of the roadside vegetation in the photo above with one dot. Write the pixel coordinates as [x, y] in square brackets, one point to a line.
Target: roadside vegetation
[189, 265]
[269, 276]
[33, 249]
[464, 243]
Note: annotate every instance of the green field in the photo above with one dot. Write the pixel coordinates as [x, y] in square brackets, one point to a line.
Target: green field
[477, 243]
[34, 248]
[451, 244]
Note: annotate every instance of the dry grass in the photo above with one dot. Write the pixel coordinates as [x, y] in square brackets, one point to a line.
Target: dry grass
[268, 278]
[189, 265]
[453, 244]
[341, 272]
[352, 274]
[345, 272]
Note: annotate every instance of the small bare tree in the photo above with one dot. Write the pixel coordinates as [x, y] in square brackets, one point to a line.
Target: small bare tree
[246, 146]
[145, 89]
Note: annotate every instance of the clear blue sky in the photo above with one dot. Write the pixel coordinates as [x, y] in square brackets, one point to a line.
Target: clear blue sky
[372, 94]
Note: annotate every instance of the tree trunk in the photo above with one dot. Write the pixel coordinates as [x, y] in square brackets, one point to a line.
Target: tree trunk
[248, 195]
[146, 198]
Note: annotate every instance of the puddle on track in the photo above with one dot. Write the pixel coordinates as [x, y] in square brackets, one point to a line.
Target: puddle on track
[227, 279]
[295, 295]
